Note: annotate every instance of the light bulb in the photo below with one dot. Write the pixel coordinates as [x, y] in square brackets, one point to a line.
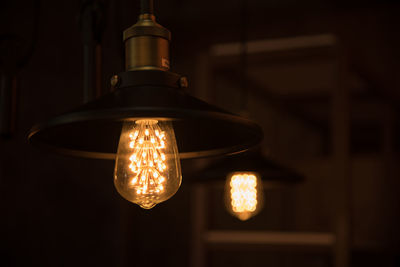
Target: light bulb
[244, 194]
[147, 168]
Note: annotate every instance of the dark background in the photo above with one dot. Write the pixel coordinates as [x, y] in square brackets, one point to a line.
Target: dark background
[61, 211]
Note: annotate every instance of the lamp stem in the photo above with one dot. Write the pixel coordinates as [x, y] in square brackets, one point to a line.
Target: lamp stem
[146, 7]
[147, 42]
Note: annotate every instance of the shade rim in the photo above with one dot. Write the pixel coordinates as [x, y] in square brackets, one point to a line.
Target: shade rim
[125, 114]
[268, 169]
[201, 129]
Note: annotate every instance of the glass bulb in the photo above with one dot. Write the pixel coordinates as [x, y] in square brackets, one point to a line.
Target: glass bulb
[147, 168]
[244, 194]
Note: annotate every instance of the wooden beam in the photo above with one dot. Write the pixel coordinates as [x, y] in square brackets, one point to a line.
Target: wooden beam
[270, 238]
[274, 45]
[342, 165]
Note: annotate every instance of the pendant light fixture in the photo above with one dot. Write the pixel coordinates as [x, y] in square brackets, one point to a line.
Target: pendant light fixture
[244, 194]
[247, 174]
[148, 123]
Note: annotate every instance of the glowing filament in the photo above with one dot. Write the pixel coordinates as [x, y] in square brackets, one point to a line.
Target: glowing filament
[243, 192]
[147, 161]
[147, 167]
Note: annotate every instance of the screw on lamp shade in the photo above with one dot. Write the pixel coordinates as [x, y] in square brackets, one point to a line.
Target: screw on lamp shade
[147, 122]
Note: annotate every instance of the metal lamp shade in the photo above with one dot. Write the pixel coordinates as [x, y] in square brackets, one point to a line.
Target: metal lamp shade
[271, 173]
[93, 130]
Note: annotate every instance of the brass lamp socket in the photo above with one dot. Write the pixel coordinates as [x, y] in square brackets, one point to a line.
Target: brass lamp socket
[147, 45]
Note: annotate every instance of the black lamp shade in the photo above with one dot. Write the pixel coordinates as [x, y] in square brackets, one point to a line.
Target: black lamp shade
[93, 130]
[272, 173]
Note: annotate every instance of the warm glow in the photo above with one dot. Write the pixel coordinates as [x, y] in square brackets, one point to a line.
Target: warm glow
[147, 169]
[147, 161]
[244, 191]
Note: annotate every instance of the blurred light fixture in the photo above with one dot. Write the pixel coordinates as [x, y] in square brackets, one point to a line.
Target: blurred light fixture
[244, 194]
[246, 176]
[157, 117]
[244, 186]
